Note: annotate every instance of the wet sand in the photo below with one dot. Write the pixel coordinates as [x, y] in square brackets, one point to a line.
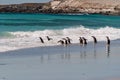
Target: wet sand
[74, 62]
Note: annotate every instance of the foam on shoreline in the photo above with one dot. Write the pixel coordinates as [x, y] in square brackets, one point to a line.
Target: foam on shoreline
[21, 40]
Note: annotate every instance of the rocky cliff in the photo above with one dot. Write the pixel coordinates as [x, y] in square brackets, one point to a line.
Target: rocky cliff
[66, 6]
[87, 6]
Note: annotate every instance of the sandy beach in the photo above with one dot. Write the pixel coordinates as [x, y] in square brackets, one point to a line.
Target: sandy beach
[74, 62]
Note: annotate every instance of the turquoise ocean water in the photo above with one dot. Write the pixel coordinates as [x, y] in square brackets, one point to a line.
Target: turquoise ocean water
[32, 22]
[27, 27]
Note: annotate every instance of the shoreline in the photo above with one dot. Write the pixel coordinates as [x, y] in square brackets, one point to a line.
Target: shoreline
[72, 62]
[74, 47]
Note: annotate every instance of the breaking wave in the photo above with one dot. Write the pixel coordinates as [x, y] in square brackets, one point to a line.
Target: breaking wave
[31, 39]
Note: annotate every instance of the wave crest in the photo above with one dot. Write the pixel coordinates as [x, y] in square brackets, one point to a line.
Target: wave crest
[31, 39]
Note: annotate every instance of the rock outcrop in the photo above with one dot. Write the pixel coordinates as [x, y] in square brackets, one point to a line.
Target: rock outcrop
[86, 6]
[109, 7]
[26, 8]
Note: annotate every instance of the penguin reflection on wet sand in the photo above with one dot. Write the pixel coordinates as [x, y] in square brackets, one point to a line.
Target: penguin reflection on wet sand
[64, 42]
[108, 46]
[95, 42]
[81, 44]
[67, 41]
[83, 41]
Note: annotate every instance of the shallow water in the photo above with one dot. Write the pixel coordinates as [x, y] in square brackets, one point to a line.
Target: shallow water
[62, 63]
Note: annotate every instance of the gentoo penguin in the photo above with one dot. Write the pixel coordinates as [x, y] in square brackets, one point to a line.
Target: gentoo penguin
[41, 39]
[94, 38]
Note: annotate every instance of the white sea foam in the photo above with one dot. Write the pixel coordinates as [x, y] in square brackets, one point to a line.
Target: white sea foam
[31, 39]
